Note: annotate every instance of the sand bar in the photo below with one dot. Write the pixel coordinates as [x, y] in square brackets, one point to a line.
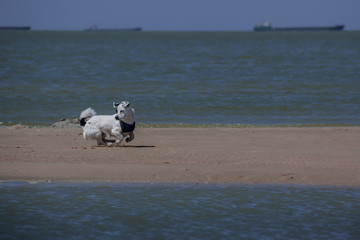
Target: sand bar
[315, 156]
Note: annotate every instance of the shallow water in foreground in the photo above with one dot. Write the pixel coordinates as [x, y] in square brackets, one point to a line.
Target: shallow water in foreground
[177, 211]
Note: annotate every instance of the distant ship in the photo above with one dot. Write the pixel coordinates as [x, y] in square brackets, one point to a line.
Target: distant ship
[21, 28]
[266, 26]
[95, 28]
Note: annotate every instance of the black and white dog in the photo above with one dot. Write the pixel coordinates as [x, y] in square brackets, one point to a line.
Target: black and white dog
[119, 125]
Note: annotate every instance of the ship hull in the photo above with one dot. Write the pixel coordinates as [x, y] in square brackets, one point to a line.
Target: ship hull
[138, 29]
[24, 28]
[269, 28]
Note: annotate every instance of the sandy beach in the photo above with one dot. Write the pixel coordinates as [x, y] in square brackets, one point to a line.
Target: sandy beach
[314, 156]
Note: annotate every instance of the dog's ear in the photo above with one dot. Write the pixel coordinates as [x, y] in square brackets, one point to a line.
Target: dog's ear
[125, 104]
[115, 104]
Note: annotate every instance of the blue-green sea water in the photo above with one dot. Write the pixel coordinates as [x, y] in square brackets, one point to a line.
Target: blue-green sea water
[175, 211]
[271, 78]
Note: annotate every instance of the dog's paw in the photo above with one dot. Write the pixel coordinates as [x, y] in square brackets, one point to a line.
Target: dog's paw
[117, 143]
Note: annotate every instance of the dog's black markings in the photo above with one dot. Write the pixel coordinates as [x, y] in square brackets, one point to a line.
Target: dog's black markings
[125, 127]
[82, 122]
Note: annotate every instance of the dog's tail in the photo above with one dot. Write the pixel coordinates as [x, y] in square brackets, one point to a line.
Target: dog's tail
[85, 115]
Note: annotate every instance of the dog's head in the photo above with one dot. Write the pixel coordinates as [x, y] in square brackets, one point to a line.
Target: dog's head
[123, 109]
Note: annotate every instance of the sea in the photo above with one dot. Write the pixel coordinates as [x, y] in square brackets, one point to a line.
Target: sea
[177, 211]
[180, 79]
[229, 78]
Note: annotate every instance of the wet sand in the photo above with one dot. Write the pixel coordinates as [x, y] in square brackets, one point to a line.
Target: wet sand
[314, 156]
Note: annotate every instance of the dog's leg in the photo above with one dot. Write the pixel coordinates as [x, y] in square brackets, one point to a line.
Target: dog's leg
[119, 138]
[100, 141]
[131, 137]
[103, 135]
[118, 141]
[93, 133]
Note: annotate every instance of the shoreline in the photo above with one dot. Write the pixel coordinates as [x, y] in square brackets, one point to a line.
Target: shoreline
[319, 156]
[73, 123]
[10, 183]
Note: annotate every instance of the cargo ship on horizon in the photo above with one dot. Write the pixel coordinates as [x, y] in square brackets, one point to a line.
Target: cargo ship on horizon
[266, 26]
[95, 28]
[15, 28]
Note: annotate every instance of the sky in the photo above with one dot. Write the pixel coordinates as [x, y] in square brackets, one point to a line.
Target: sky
[178, 15]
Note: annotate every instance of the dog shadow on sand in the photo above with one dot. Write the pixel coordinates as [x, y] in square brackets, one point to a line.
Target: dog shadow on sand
[138, 146]
[111, 141]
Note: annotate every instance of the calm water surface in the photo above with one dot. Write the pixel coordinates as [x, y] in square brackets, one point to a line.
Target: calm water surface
[182, 77]
[176, 211]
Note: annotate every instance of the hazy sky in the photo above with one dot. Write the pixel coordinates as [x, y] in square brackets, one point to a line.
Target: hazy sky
[178, 14]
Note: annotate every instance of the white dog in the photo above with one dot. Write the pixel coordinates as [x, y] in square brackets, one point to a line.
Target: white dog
[119, 125]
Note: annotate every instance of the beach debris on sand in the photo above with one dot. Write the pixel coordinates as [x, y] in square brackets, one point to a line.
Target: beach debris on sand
[66, 123]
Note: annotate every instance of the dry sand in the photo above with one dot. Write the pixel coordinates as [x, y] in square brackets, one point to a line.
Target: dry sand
[315, 156]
